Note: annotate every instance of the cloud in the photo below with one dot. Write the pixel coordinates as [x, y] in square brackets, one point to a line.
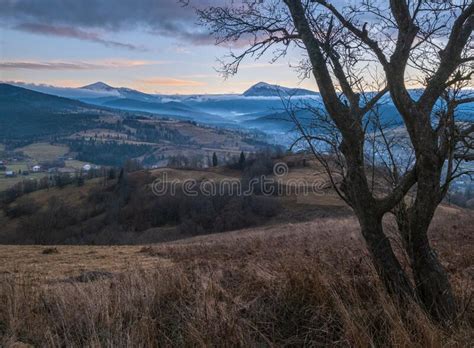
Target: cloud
[165, 81]
[70, 32]
[61, 65]
[66, 17]
[193, 35]
[44, 66]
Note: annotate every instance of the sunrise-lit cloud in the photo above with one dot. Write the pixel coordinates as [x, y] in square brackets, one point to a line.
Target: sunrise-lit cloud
[62, 65]
[161, 17]
[46, 66]
[75, 33]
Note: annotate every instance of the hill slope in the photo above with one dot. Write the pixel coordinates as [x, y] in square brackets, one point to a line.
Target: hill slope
[293, 284]
[25, 113]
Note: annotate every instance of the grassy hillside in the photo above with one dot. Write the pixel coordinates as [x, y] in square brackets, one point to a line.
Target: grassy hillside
[43, 152]
[290, 284]
[125, 210]
[283, 271]
[25, 114]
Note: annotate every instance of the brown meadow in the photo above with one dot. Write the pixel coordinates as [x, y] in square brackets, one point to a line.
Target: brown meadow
[282, 285]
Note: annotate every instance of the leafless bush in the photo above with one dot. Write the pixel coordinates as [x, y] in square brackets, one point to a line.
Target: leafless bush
[49, 251]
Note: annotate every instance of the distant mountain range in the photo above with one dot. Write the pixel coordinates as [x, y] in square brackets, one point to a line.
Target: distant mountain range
[259, 107]
[103, 90]
[261, 89]
[230, 110]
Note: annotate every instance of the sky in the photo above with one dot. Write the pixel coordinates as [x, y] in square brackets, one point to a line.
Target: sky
[151, 45]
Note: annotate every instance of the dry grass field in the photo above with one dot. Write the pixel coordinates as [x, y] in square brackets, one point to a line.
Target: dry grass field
[291, 284]
[36, 152]
[30, 263]
[203, 140]
[75, 164]
[303, 278]
[5, 182]
[44, 151]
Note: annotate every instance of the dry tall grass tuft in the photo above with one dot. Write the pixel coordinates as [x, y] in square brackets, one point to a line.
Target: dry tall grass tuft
[298, 301]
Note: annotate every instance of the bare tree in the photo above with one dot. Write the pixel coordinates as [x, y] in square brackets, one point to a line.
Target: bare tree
[349, 49]
[432, 38]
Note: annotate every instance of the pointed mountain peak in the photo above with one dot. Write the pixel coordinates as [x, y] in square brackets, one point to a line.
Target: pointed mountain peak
[264, 89]
[262, 84]
[98, 86]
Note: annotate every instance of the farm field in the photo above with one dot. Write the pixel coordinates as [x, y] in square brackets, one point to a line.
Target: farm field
[44, 151]
[5, 183]
[16, 166]
[37, 152]
[75, 164]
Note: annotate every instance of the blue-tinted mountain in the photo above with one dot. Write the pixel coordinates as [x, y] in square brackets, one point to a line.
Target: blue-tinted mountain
[263, 89]
[170, 109]
[255, 108]
[99, 86]
[280, 121]
[120, 92]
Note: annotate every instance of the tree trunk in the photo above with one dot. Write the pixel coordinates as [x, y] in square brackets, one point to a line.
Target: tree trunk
[348, 120]
[365, 207]
[431, 280]
[432, 284]
[386, 263]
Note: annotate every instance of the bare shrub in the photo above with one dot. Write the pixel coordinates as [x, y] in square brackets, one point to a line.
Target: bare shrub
[49, 251]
